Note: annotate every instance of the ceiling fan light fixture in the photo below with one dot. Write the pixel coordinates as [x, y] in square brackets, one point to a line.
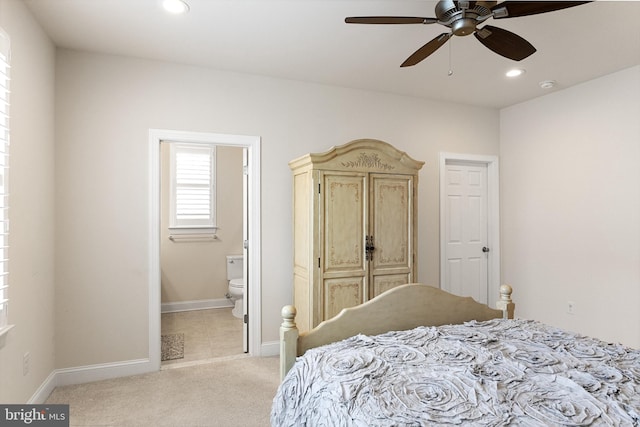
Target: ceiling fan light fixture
[515, 72]
[176, 7]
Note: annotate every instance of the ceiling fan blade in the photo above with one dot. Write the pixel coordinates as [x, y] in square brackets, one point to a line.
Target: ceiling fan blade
[512, 9]
[426, 50]
[389, 20]
[504, 42]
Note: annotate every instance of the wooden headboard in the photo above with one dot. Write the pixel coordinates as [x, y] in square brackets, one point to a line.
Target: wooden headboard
[401, 308]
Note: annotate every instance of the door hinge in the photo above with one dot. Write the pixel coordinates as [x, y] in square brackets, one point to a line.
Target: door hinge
[245, 244]
[245, 169]
[318, 262]
[246, 318]
[318, 188]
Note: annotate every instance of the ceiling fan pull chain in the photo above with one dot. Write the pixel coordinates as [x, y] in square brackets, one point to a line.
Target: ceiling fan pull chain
[450, 73]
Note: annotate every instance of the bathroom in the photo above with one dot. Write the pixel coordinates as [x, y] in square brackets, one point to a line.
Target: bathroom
[197, 319]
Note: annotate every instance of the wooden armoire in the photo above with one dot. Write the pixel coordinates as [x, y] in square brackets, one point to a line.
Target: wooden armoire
[354, 226]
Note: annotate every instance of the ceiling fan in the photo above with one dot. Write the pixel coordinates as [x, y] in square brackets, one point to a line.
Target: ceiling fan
[463, 18]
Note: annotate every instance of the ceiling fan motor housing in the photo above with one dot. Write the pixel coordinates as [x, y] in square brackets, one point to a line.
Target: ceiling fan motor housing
[463, 16]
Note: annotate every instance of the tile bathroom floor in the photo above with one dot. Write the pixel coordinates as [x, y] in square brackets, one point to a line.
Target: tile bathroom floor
[208, 334]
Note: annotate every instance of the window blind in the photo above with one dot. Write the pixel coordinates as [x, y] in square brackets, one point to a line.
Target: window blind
[4, 169]
[193, 186]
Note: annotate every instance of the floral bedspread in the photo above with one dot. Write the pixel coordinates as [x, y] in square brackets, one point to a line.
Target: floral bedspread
[494, 373]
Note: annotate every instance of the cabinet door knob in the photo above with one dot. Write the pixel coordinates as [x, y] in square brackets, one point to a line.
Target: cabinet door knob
[369, 248]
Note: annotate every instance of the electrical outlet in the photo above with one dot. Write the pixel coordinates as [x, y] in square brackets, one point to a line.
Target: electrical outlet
[26, 362]
[571, 307]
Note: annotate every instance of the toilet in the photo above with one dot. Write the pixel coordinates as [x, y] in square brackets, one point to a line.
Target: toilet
[235, 273]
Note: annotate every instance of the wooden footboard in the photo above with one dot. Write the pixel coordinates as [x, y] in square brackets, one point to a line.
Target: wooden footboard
[401, 308]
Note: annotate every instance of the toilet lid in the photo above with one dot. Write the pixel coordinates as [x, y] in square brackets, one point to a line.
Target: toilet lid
[236, 283]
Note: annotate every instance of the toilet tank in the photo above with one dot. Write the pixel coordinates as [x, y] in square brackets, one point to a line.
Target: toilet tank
[235, 266]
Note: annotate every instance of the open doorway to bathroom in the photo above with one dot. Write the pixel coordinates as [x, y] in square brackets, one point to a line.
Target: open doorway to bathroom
[201, 251]
[191, 286]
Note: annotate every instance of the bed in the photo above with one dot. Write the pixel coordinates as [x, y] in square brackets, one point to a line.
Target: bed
[417, 355]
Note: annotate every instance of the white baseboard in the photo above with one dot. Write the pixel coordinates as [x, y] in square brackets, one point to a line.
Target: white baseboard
[105, 371]
[45, 389]
[90, 373]
[171, 307]
[271, 348]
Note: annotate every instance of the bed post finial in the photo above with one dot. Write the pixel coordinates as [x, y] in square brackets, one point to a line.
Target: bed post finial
[288, 339]
[506, 303]
[288, 316]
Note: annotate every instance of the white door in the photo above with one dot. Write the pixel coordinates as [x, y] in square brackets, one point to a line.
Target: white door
[245, 250]
[466, 250]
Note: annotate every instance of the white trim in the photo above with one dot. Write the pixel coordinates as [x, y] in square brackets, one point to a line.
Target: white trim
[252, 143]
[45, 389]
[493, 217]
[89, 373]
[271, 348]
[99, 372]
[203, 304]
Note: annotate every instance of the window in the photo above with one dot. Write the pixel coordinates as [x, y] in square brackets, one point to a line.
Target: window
[193, 187]
[4, 193]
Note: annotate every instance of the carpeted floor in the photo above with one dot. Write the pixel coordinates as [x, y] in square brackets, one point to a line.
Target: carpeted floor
[208, 334]
[234, 391]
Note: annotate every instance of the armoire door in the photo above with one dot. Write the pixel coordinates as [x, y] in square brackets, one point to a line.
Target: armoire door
[344, 199]
[391, 230]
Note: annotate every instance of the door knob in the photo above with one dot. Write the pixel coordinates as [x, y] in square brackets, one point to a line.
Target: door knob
[485, 249]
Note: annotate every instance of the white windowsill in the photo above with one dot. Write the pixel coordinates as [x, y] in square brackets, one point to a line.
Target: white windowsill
[3, 334]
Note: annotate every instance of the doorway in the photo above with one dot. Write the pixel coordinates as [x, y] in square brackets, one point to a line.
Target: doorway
[251, 232]
[469, 226]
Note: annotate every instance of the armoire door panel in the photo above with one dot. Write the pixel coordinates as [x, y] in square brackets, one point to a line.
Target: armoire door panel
[384, 283]
[391, 224]
[344, 222]
[341, 293]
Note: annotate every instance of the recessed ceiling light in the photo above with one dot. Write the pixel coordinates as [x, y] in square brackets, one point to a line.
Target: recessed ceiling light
[515, 72]
[176, 7]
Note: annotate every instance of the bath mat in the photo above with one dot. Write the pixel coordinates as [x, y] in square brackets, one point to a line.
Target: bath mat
[172, 347]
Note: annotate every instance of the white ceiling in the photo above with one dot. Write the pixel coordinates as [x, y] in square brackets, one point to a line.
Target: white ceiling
[308, 40]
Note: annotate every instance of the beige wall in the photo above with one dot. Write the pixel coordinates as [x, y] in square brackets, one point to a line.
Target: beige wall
[192, 271]
[31, 264]
[571, 207]
[569, 203]
[105, 107]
